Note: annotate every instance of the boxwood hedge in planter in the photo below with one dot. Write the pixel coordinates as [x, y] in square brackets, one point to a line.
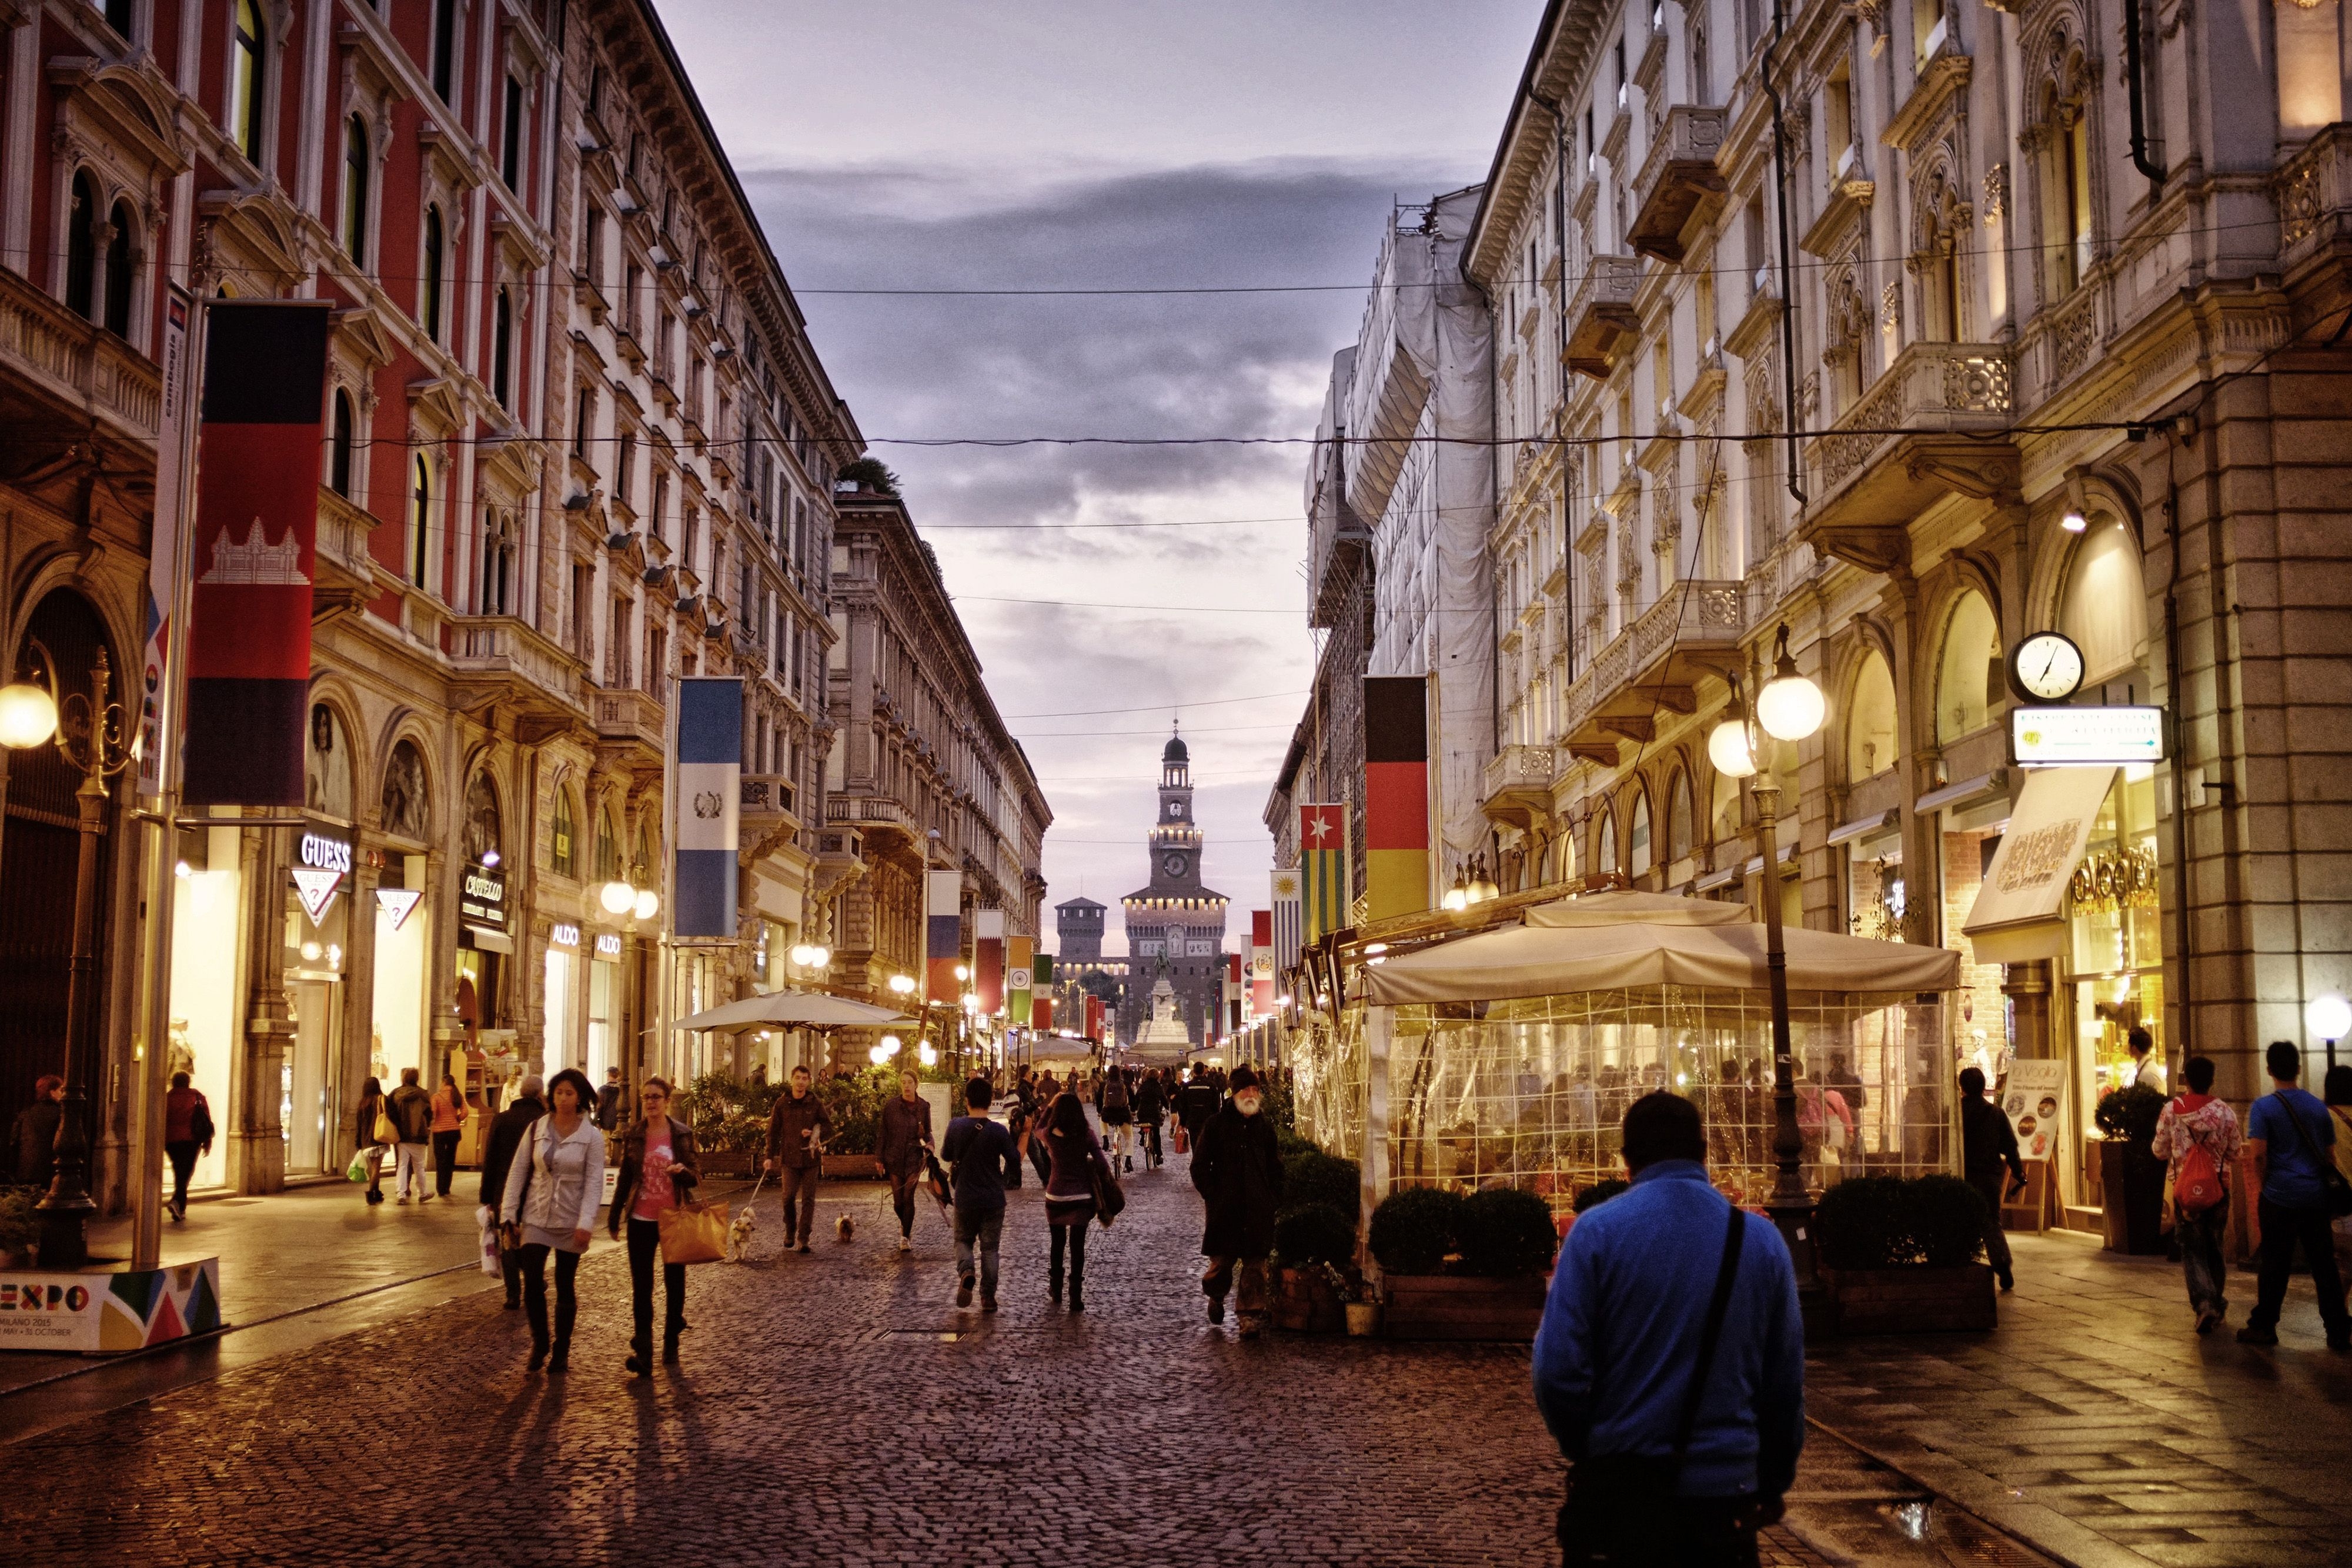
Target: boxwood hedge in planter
[1601, 1191]
[1899, 1255]
[1504, 1233]
[1310, 1175]
[1414, 1229]
[1314, 1233]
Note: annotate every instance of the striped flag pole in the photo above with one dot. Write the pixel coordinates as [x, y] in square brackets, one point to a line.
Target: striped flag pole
[1396, 795]
[942, 936]
[709, 793]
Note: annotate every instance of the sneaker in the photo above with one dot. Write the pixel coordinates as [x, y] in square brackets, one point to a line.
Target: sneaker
[905, 1244]
[2250, 1334]
[2206, 1320]
[404, 1200]
[963, 1291]
[1216, 1309]
[425, 1199]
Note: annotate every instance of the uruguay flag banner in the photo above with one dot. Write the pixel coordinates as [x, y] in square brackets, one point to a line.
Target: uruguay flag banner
[710, 783]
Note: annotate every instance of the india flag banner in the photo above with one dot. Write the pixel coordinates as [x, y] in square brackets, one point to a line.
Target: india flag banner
[1325, 895]
[988, 959]
[1018, 975]
[942, 936]
[710, 794]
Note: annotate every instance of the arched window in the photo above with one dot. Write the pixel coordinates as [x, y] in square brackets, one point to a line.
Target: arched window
[81, 249]
[428, 294]
[484, 838]
[1723, 810]
[1679, 834]
[497, 563]
[420, 520]
[1870, 720]
[244, 82]
[608, 847]
[119, 272]
[1968, 671]
[501, 341]
[339, 446]
[561, 858]
[2106, 606]
[355, 190]
[1637, 837]
[2078, 196]
[1605, 844]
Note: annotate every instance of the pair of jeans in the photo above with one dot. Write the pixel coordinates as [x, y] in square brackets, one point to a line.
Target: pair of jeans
[903, 1182]
[2281, 1229]
[534, 1297]
[182, 1152]
[644, 1248]
[799, 1185]
[2201, 1256]
[1071, 1239]
[1251, 1290]
[1996, 1239]
[412, 1164]
[445, 1160]
[985, 1227]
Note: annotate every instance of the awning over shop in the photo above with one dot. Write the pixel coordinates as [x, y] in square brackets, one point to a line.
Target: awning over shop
[793, 1010]
[2019, 913]
[1600, 944]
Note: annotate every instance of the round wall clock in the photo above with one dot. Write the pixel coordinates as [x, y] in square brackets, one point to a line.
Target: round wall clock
[2046, 667]
[1172, 864]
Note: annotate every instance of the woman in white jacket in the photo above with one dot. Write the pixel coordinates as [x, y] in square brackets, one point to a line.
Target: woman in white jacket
[553, 1190]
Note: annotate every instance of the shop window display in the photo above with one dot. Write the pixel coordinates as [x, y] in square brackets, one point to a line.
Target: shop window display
[206, 892]
[1968, 676]
[2115, 955]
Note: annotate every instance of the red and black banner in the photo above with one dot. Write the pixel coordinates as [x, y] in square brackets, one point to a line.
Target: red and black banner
[254, 552]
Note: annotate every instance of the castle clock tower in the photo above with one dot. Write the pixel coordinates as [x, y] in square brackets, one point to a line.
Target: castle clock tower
[1174, 919]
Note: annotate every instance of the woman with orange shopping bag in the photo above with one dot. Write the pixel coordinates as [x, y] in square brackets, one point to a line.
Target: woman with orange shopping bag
[659, 1170]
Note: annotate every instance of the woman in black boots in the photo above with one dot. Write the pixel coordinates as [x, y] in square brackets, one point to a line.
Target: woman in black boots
[659, 1169]
[1077, 1155]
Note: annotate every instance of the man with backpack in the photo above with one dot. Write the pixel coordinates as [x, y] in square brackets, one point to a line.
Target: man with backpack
[2292, 1137]
[1117, 1119]
[1986, 1143]
[2199, 1136]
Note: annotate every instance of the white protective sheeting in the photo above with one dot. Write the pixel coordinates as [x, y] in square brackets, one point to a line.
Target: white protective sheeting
[792, 1010]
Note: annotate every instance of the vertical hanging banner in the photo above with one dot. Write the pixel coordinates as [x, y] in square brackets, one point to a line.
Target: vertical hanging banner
[988, 958]
[1284, 889]
[1396, 795]
[1324, 891]
[163, 556]
[709, 797]
[1019, 975]
[942, 936]
[1232, 993]
[255, 550]
[1261, 963]
[1094, 1017]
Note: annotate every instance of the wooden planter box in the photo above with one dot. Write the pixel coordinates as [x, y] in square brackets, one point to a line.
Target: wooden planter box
[2132, 1185]
[853, 1168]
[1912, 1300]
[1306, 1302]
[1456, 1306]
[730, 1163]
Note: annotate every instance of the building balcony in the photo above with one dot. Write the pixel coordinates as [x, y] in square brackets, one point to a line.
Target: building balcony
[1603, 325]
[883, 820]
[1518, 784]
[1679, 183]
[767, 815]
[75, 372]
[497, 660]
[345, 577]
[2314, 195]
[1654, 666]
[1930, 427]
[629, 718]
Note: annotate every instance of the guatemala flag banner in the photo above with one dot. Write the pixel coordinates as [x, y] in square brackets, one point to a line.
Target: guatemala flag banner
[942, 936]
[708, 797]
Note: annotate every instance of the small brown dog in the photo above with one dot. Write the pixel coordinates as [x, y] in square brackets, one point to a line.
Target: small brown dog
[844, 1228]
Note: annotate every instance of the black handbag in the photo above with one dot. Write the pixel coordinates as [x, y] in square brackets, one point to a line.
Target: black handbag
[1620, 1507]
[2336, 1193]
[1110, 1198]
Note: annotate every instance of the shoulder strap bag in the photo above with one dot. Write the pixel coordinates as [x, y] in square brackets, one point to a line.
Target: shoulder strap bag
[2336, 1193]
[1618, 1503]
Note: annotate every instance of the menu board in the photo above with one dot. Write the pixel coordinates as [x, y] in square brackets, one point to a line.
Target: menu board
[2032, 1100]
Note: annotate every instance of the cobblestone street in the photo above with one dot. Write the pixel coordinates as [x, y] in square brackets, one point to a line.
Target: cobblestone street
[836, 1408]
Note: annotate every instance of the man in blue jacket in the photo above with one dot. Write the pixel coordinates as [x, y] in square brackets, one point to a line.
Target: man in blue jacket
[1660, 1477]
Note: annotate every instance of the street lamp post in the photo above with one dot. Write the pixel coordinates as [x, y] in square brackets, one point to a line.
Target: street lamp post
[1788, 708]
[92, 738]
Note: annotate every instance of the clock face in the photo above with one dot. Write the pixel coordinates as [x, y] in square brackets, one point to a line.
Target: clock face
[2047, 666]
[1172, 864]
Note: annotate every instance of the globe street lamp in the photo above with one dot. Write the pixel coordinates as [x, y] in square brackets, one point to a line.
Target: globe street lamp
[617, 897]
[1789, 709]
[2330, 1018]
[92, 737]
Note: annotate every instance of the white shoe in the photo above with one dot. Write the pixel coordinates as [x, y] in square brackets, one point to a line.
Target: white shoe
[403, 1197]
[905, 1244]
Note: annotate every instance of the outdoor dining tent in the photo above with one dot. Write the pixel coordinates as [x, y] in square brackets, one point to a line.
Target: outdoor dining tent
[1508, 1056]
[792, 1010]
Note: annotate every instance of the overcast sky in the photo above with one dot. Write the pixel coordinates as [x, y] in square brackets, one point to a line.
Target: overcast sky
[1030, 145]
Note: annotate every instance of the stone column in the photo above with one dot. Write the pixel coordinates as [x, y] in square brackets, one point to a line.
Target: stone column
[257, 1156]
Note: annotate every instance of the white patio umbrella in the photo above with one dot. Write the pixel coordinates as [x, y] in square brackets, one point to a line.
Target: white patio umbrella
[792, 1010]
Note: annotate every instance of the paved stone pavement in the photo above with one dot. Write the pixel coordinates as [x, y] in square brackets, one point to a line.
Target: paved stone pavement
[836, 1408]
[2094, 1423]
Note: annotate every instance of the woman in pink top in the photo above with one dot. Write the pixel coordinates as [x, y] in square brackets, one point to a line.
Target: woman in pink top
[659, 1169]
[448, 1121]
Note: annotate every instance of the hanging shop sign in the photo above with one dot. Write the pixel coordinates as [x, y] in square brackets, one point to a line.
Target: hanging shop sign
[608, 945]
[2086, 736]
[320, 865]
[482, 897]
[397, 902]
[563, 934]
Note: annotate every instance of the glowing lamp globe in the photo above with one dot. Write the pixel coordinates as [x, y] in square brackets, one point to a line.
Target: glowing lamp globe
[902, 983]
[926, 1054]
[648, 904]
[877, 1056]
[2330, 1016]
[1791, 707]
[801, 954]
[889, 1044]
[1727, 749]
[617, 898]
[27, 715]
[819, 957]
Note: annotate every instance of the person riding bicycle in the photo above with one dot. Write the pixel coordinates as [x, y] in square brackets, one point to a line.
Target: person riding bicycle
[1150, 1103]
[1118, 1118]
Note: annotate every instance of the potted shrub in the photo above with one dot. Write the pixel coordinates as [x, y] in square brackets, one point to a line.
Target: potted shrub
[20, 1228]
[1310, 1175]
[854, 1101]
[1899, 1255]
[1464, 1268]
[1313, 1245]
[2132, 1177]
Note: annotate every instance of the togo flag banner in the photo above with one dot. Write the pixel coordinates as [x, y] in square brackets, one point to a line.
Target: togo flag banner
[710, 784]
[255, 551]
[1325, 890]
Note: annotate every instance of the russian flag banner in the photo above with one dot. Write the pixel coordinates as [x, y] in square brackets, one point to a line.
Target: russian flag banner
[944, 936]
[709, 782]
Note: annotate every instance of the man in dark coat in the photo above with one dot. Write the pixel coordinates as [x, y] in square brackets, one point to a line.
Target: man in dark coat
[33, 1142]
[1196, 1103]
[1238, 1170]
[529, 1105]
[797, 1129]
[1987, 1144]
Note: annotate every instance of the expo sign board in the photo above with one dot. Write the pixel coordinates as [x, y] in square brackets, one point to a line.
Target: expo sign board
[2086, 736]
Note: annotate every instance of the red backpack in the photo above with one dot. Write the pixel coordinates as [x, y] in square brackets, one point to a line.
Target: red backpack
[2198, 1185]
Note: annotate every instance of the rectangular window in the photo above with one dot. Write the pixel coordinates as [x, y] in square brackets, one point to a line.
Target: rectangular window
[444, 50]
[657, 659]
[584, 590]
[511, 149]
[623, 469]
[592, 247]
[583, 415]
[661, 504]
[616, 644]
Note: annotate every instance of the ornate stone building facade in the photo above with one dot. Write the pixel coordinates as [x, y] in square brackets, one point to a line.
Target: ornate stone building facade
[1989, 340]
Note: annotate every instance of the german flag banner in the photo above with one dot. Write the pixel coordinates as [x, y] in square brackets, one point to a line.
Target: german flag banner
[1396, 795]
[254, 552]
